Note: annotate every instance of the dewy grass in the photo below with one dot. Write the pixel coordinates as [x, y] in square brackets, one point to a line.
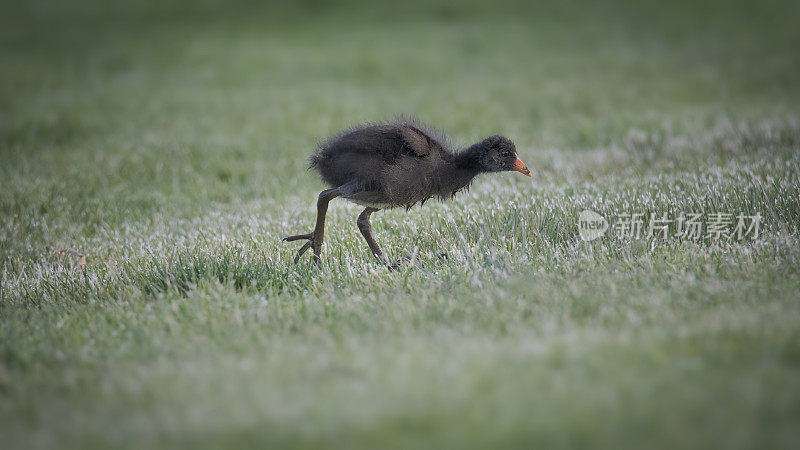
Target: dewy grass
[169, 144]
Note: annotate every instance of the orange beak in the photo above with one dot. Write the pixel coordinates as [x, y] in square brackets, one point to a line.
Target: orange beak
[520, 167]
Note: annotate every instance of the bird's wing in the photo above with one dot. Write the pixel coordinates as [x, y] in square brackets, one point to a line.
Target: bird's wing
[417, 141]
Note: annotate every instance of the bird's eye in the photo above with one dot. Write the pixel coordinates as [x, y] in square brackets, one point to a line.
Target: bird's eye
[505, 153]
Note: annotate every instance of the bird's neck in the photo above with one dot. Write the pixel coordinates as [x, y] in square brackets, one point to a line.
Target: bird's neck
[469, 159]
[464, 166]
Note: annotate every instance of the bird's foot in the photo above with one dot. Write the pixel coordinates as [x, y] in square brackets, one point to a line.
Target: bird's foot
[407, 260]
[404, 261]
[312, 243]
[399, 263]
[391, 266]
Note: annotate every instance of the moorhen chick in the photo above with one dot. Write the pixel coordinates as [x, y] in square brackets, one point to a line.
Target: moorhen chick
[397, 164]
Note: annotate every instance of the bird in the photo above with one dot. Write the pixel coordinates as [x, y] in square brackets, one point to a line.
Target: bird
[394, 164]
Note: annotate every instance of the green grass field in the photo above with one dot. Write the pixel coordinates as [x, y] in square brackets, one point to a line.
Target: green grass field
[168, 142]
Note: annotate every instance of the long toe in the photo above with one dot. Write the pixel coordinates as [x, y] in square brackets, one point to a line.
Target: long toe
[404, 261]
[298, 237]
[302, 250]
[309, 244]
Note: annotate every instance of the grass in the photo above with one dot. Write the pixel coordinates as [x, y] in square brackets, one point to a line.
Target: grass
[169, 144]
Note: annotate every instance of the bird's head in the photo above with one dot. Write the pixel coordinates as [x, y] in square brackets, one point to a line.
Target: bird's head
[498, 154]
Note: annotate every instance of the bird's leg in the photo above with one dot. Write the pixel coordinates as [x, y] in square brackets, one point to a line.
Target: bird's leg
[366, 230]
[316, 237]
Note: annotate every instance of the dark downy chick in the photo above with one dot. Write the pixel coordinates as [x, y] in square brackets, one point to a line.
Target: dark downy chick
[398, 164]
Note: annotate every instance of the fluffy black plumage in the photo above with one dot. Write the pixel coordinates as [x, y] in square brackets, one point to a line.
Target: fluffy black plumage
[400, 163]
